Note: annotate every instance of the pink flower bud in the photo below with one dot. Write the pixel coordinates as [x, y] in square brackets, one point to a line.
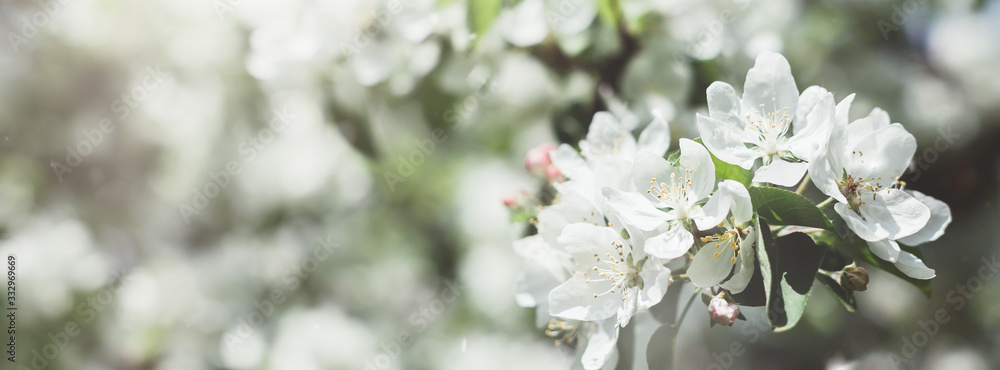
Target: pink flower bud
[723, 312]
[553, 175]
[537, 160]
[510, 201]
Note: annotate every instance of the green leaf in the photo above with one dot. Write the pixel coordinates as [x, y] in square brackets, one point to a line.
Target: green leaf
[765, 246]
[481, 15]
[660, 351]
[793, 262]
[726, 171]
[608, 11]
[798, 260]
[674, 158]
[782, 207]
[846, 297]
[522, 215]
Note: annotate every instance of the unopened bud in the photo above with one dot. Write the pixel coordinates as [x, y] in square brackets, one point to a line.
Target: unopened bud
[539, 163]
[723, 312]
[510, 201]
[854, 278]
[553, 175]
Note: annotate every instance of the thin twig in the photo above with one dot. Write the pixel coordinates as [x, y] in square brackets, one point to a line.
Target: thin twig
[805, 182]
[686, 307]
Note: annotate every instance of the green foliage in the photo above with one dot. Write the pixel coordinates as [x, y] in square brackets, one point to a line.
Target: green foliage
[795, 260]
[609, 11]
[660, 351]
[723, 170]
[481, 15]
[726, 171]
[522, 215]
[783, 207]
[783, 277]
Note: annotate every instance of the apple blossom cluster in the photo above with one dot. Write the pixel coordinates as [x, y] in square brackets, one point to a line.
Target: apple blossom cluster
[730, 212]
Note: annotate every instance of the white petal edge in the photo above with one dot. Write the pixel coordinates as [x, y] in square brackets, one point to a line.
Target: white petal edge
[770, 82]
[706, 270]
[655, 138]
[725, 140]
[939, 221]
[671, 244]
[695, 157]
[600, 345]
[913, 267]
[634, 209]
[885, 249]
[781, 172]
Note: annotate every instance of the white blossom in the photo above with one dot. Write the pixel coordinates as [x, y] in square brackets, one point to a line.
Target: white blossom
[770, 121]
[861, 170]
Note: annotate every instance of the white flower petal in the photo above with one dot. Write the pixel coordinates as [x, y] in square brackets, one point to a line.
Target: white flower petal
[572, 208]
[883, 155]
[727, 141]
[893, 214]
[745, 266]
[897, 212]
[913, 267]
[723, 104]
[869, 231]
[606, 137]
[742, 206]
[614, 172]
[586, 239]
[569, 162]
[816, 127]
[671, 244]
[731, 196]
[574, 300]
[781, 172]
[770, 83]
[655, 138]
[544, 269]
[711, 265]
[656, 280]
[648, 166]
[807, 101]
[940, 218]
[823, 176]
[695, 158]
[600, 345]
[879, 119]
[885, 249]
[634, 209]
[629, 306]
[838, 146]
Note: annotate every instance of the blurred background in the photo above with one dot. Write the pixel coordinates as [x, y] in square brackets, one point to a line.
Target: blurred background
[310, 184]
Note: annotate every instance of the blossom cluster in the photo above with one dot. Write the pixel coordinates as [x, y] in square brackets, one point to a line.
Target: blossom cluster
[628, 220]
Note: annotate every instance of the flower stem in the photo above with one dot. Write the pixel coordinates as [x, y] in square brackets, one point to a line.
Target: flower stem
[825, 203]
[687, 306]
[805, 182]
